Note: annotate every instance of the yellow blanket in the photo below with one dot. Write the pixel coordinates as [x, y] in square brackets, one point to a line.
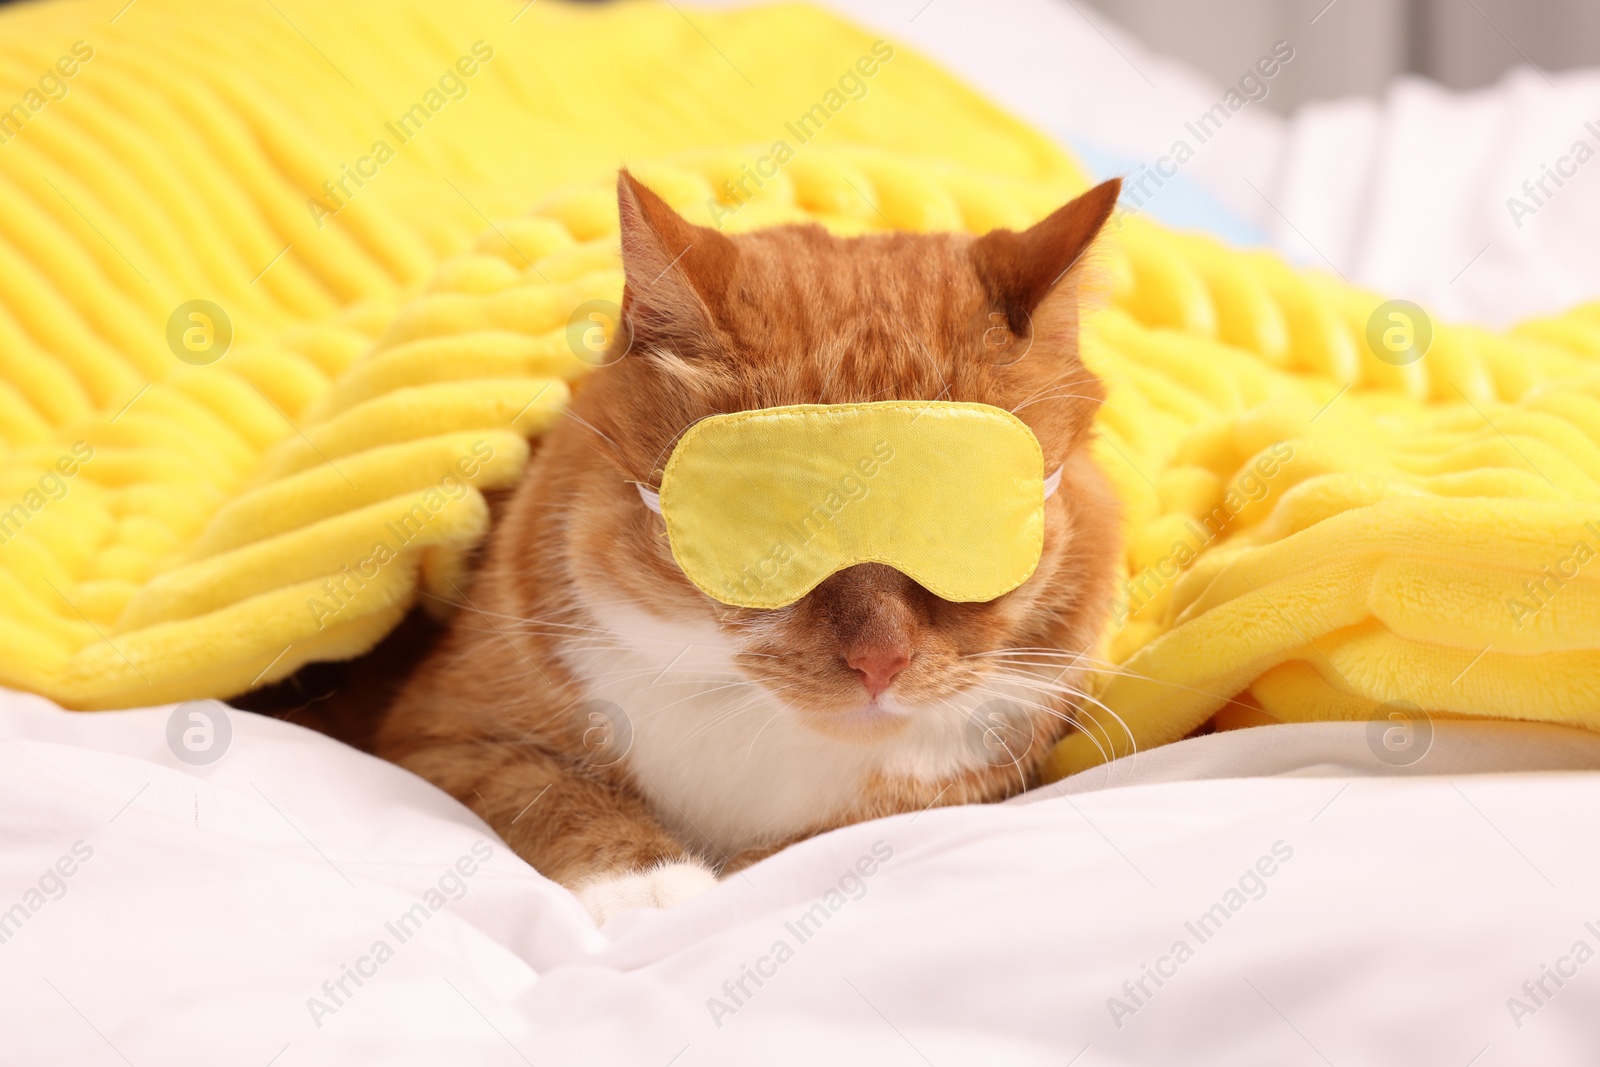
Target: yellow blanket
[284, 286]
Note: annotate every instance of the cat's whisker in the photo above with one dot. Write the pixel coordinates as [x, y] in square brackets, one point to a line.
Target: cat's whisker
[706, 692]
[770, 719]
[1115, 671]
[566, 640]
[943, 381]
[1100, 749]
[972, 717]
[1079, 695]
[512, 624]
[1032, 659]
[567, 644]
[1056, 384]
[1070, 717]
[1076, 694]
[1047, 399]
[554, 621]
[727, 715]
[751, 748]
[1049, 709]
[611, 677]
[1059, 660]
[716, 720]
[1040, 649]
[1079, 660]
[617, 454]
[670, 445]
[521, 629]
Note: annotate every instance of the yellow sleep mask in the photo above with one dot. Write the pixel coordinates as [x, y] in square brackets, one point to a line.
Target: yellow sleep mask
[760, 506]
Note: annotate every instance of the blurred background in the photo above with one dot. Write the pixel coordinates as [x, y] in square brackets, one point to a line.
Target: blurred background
[1433, 147]
[1359, 46]
[1407, 146]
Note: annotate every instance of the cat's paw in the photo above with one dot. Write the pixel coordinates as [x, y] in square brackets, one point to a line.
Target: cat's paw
[654, 887]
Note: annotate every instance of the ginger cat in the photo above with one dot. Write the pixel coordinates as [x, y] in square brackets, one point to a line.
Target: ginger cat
[633, 739]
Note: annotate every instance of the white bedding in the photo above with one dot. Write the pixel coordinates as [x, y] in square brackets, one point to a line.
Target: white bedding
[207, 905]
[1407, 194]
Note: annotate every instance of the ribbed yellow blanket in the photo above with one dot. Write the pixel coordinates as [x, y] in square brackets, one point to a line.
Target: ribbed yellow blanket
[284, 286]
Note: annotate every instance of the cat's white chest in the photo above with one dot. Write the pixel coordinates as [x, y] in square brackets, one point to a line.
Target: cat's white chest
[724, 762]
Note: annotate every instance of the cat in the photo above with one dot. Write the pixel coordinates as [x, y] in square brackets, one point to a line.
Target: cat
[632, 738]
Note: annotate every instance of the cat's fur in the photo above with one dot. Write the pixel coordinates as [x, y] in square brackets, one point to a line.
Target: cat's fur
[630, 737]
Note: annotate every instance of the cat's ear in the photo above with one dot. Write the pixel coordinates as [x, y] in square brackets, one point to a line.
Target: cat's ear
[675, 271]
[1031, 272]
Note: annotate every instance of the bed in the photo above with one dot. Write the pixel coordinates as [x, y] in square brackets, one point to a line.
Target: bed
[257, 893]
[1277, 895]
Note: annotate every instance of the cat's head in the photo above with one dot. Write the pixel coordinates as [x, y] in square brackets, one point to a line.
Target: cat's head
[793, 315]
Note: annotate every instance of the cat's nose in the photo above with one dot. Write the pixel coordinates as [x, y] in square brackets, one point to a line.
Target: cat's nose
[878, 668]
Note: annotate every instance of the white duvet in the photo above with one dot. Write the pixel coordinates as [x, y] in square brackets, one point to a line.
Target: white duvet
[296, 902]
[1271, 897]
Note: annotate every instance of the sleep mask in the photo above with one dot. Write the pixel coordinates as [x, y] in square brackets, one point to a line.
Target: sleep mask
[761, 506]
